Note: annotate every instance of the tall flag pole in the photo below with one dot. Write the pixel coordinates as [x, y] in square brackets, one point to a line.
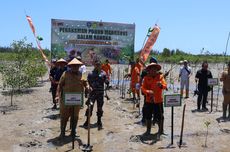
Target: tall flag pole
[29, 19]
[150, 42]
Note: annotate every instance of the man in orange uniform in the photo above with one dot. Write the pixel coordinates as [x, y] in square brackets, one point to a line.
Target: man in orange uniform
[135, 78]
[107, 68]
[152, 87]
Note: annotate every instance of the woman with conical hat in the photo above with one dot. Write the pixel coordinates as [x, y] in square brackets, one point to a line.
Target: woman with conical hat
[71, 85]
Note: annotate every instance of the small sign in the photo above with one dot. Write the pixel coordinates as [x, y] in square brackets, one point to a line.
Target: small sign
[172, 100]
[212, 81]
[73, 98]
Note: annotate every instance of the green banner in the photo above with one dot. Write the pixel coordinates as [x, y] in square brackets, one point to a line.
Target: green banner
[91, 39]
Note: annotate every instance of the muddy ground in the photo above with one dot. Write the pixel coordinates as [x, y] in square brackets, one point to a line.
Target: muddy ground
[30, 125]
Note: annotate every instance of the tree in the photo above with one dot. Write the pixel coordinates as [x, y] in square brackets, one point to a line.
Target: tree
[166, 52]
[23, 71]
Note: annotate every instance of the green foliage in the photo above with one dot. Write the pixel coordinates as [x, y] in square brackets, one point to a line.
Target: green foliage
[127, 53]
[175, 56]
[166, 52]
[22, 68]
[58, 51]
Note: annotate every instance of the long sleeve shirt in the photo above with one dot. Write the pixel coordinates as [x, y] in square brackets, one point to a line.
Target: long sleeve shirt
[151, 83]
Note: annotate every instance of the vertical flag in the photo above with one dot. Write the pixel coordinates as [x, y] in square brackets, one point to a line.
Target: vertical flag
[38, 42]
[150, 42]
[31, 24]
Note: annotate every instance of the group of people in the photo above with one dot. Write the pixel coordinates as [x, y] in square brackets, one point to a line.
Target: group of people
[150, 81]
[66, 79]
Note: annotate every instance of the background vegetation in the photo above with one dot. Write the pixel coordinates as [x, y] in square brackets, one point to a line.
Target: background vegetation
[20, 66]
[175, 56]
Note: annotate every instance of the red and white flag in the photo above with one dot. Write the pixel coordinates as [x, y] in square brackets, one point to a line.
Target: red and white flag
[149, 44]
[29, 19]
[31, 24]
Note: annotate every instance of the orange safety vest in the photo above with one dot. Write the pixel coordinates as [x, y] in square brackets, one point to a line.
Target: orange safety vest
[107, 68]
[150, 83]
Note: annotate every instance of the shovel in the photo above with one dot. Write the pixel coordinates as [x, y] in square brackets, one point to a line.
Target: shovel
[87, 147]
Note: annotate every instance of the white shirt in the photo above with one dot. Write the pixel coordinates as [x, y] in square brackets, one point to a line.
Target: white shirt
[184, 73]
[82, 69]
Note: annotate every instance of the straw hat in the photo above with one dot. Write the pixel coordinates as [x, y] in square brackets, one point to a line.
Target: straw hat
[155, 65]
[75, 62]
[185, 61]
[61, 60]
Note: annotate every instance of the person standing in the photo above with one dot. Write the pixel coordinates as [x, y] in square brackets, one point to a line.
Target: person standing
[143, 74]
[96, 79]
[55, 77]
[202, 76]
[152, 87]
[184, 75]
[82, 68]
[107, 68]
[70, 82]
[54, 84]
[135, 79]
[225, 78]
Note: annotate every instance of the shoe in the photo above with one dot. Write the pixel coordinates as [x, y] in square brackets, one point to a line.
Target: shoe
[54, 107]
[205, 109]
[85, 125]
[99, 125]
[186, 97]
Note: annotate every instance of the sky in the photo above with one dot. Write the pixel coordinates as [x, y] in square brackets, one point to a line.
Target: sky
[187, 25]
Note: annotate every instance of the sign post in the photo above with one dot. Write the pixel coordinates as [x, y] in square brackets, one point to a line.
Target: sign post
[212, 82]
[171, 100]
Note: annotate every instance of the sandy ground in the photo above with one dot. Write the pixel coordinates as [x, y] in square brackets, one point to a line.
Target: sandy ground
[32, 126]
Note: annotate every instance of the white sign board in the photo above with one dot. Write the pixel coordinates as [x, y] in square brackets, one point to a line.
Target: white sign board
[212, 81]
[73, 99]
[172, 100]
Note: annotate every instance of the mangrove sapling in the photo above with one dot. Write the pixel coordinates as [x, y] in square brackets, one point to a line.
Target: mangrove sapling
[207, 123]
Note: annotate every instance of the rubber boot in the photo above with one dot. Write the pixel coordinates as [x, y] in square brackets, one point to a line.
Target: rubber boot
[74, 125]
[148, 124]
[224, 110]
[99, 123]
[228, 111]
[63, 126]
[181, 93]
[187, 94]
[161, 128]
[85, 125]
